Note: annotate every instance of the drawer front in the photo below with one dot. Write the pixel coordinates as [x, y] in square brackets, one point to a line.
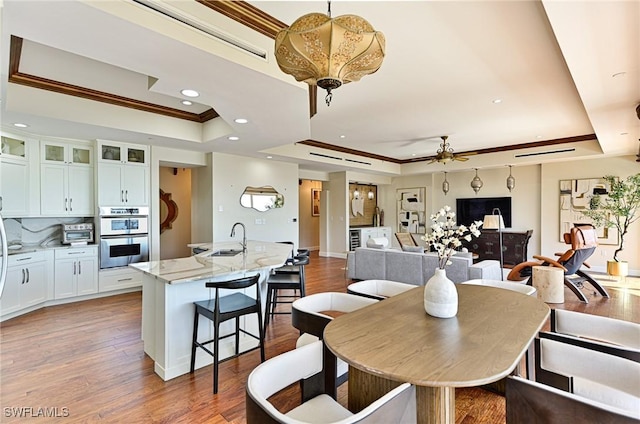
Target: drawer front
[77, 252]
[118, 279]
[26, 258]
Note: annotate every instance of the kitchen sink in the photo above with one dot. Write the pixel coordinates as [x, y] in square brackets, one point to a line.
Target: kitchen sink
[226, 252]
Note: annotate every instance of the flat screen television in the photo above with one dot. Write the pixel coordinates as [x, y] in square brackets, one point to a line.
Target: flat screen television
[475, 208]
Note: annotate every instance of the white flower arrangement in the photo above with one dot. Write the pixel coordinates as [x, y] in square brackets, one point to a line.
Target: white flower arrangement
[445, 238]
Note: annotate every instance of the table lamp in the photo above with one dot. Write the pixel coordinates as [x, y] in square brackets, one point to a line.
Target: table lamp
[495, 222]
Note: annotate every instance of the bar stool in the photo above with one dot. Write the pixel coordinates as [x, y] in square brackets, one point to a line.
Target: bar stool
[224, 308]
[285, 281]
[288, 268]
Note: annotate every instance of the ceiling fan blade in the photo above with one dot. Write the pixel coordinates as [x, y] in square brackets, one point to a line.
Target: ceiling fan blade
[460, 158]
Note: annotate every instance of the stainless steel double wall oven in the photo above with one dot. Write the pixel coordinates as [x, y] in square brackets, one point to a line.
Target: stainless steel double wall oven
[124, 236]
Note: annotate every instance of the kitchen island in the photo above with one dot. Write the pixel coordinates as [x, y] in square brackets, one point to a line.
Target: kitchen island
[169, 288]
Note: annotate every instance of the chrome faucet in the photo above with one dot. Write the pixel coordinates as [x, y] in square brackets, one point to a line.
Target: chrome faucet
[244, 235]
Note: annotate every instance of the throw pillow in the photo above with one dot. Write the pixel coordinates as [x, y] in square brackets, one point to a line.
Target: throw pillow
[417, 249]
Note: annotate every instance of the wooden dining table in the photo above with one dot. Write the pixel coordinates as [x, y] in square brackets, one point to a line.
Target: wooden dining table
[396, 341]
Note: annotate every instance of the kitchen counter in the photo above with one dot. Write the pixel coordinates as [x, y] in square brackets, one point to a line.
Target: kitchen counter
[259, 256]
[169, 288]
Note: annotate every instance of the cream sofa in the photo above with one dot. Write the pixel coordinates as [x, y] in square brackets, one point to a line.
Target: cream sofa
[366, 263]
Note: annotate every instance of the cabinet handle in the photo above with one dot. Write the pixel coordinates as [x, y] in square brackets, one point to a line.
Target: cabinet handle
[70, 206]
[23, 259]
[122, 196]
[74, 268]
[23, 276]
[125, 279]
[28, 275]
[65, 204]
[79, 268]
[126, 196]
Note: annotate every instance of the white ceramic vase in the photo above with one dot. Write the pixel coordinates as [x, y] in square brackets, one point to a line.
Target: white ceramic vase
[440, 296]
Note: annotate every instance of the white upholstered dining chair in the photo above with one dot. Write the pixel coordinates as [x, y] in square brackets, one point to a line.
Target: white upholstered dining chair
[397, 406]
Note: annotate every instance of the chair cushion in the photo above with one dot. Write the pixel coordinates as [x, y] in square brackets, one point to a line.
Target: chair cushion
[320, 409]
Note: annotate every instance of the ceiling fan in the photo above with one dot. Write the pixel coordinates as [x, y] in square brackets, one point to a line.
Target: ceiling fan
[445, 153]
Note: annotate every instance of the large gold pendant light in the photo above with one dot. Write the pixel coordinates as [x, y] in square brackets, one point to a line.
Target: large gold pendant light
[329, 52]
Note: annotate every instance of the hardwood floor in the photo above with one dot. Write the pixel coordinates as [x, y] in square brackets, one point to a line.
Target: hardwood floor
[85, 362]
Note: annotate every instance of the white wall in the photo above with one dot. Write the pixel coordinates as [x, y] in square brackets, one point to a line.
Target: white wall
[334, 241]
[231, 175]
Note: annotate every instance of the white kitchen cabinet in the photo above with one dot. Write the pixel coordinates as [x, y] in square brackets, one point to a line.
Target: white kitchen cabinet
[26, 283]
[131, 154]
[17, 178]
[123, 175]
[76, 271]
[66, 179]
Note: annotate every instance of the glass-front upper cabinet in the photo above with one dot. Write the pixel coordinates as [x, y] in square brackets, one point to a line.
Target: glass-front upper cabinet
[14, 147]
[66, 153]
[123, 153]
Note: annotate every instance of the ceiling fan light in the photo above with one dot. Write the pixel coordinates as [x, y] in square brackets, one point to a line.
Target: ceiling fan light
[329, 52]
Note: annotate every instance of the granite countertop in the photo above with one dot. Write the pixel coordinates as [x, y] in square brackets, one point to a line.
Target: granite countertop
[30, 249]
[260, 255]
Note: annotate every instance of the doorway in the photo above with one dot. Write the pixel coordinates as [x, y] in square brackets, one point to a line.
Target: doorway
[309, 210]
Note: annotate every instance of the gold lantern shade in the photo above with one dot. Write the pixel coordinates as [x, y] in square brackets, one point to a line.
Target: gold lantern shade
[329, 52]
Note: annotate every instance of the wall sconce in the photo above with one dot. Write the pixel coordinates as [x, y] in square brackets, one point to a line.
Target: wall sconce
[476, 182]
[356, 193]
[511, 182]
[370, 195]
[445, 184]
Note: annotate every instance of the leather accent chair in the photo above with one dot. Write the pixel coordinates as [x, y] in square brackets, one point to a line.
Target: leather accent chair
[583, 240]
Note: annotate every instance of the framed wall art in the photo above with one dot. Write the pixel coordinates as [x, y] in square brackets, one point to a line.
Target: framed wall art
[315, 201]
[580, 195]
[411, 210]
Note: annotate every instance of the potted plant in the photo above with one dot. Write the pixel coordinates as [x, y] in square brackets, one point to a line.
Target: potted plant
[619, 209]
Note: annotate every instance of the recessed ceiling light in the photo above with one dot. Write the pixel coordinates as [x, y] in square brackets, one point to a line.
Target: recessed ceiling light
[413, 154]
[241, 120]
[20, 125]
[269, 157]
[233, 138]
[190, 93]
[624, 133]
[343, 136]
[538, 136]
[187, 102]
[618, 74]
[496, 101]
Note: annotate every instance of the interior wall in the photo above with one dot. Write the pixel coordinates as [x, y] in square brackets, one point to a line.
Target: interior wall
[202, 202]
[552, 173]
[174, 240]
[231, 175]
[309, 225]
[337, 222]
